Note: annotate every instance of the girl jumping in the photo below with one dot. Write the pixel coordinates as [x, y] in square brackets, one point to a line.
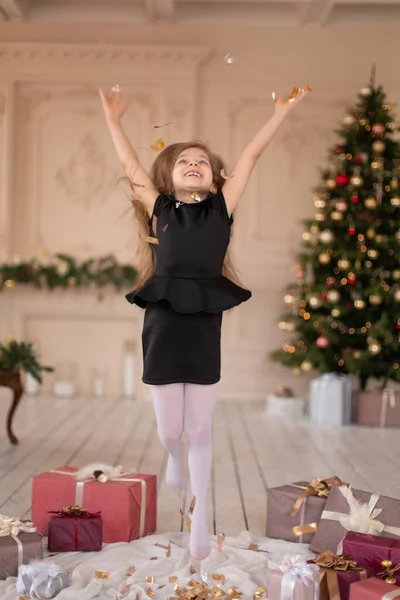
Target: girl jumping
[184, 208]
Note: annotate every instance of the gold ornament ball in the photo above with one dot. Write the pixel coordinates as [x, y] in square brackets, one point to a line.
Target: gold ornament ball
[396, 295]
[335, 312]
[395, 200]
[366, 91]
[314, 300]
[306, 365]
[378, 146]
[306, 236]
[357, 354]
[320, 217]
[287, 326]
[375, 299]
[394, 184]
[324, 258]
[343, 263]
[371, 233]
[319, 202]
[380, 238]
[336, 215]
[396, 274]
[360, 304]
[289, 299]
[356, 180]
[375, 165]
[397, 235]
[330, 184]
[386, 564]
[374, 347]
[370, 202]
[333, 296]
[326, 236]
[373, 253]
[349, 120]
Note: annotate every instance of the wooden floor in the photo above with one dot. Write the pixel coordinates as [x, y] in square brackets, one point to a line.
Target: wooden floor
[251, 454]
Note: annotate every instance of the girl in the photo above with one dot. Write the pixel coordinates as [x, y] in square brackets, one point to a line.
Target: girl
[184, 208]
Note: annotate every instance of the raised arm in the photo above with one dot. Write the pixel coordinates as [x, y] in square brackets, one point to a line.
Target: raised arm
[114, 108]
[234, 187]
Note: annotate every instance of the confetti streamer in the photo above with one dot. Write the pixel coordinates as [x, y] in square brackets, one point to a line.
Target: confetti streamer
[160, 126]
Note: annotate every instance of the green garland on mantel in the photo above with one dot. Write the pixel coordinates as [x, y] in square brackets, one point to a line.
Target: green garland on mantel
[64, 271]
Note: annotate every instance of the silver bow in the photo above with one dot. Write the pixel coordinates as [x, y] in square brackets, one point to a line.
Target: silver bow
[294, 568]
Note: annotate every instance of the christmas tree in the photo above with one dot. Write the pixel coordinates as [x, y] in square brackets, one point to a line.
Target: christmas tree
[344, 309]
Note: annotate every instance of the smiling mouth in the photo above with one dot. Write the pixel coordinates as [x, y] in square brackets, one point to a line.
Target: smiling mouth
[193, 174]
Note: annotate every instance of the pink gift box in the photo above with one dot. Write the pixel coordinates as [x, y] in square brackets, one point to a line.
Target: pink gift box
[373, 589]
[371, 550]
[128, 504]
[307, 589]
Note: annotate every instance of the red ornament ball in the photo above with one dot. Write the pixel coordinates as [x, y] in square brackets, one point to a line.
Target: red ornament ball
[322, 342]
[355, 199]
[357, 159]
[351, 230]
[351, 280]
[398, 324]
[342, 179]
[338, 149]
[324, 296]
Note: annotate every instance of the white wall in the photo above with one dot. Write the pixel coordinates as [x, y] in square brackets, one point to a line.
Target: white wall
[58, 169]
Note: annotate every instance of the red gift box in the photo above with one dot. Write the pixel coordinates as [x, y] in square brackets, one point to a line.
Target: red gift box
[75, 530]
[338, 573]
[373, 589]
[128, 503]
[371, 550]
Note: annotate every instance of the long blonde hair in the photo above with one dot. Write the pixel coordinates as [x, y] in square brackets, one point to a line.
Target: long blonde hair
[161, 176]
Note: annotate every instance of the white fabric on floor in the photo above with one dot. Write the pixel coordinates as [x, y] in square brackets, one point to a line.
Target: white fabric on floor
[242, 567]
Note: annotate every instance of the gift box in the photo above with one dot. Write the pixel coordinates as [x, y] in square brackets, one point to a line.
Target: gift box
[75, 529]
[293, 579]
[373, 589]
[331, 400]
[337, 575]
[297, 506]
[284, 404]
[19, 543]
[379, 408]
[355, 510]
[41, 580]
[372, 550]
[128, 503]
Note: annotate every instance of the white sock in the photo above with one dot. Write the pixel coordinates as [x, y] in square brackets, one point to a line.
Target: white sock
[199, 406]
[168, 401]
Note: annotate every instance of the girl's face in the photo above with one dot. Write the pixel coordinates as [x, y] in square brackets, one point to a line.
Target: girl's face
[192, 173]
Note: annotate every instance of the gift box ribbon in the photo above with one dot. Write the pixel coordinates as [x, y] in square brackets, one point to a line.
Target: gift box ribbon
[75, 512]
[294, 568]
[391, 595]
[361, 518]
[80, 486]
[388, 400]
[316, 487]
[330, 564]
[12, 526]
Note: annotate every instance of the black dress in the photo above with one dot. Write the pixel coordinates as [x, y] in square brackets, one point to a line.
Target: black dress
[187, 294]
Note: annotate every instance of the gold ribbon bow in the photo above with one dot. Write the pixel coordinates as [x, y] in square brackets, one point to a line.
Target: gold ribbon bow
[316, 487]
[389, 571]
[330, 564]
[13, 526]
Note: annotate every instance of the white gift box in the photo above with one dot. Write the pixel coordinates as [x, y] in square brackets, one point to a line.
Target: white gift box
[331, 400]
[282, 406]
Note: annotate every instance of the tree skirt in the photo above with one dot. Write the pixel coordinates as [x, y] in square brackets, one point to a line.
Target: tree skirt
[240, 566]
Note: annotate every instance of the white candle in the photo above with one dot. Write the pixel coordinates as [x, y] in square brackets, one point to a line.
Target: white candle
[31, 385]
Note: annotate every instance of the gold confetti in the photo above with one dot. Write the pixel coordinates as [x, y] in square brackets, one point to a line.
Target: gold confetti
[151, 240]
[130, 571]
[163, 546]
[165, 125]
[150, 579]
[150, 592]
[192, 505]
[220, 542]
[160, 587]
[154, 558]
[224, 175]
[259, 593]
[172, 579]
[158, 145]
[168, 551]
[165, 227]
[126, 589]
[193, 583]
[101, 574]
[218, 592]
[218, 577]
[178, 589]
[253, 547]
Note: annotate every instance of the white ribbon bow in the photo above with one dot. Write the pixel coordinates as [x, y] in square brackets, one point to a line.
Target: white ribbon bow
[37, 573]
[13, 526]
[293, 569]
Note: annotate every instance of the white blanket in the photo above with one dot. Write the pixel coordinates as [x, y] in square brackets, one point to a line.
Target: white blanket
[244, 568]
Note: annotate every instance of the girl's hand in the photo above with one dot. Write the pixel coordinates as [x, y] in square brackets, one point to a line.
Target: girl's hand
[113, 105]
[283, 106]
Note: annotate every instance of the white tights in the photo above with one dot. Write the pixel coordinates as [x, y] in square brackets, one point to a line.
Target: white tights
[188, 407]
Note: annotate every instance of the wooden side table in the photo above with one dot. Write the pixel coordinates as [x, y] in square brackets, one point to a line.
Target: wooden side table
[12, 380]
